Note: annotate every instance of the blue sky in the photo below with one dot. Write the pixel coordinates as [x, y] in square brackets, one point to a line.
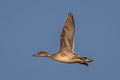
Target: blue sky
[28, 26]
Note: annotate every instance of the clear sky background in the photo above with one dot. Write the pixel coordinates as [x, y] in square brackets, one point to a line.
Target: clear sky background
[28, 26]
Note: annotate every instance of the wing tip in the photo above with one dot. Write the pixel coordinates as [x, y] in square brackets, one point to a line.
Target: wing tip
[69, 14]
[70, 18]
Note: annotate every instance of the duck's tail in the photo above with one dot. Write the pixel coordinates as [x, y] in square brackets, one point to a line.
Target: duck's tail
[85, 59]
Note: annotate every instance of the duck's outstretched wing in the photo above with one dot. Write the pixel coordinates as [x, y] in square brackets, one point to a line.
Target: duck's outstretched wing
[67, 35]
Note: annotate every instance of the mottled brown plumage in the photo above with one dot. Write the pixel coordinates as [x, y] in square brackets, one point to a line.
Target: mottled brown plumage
[66, 53]
[66, 37]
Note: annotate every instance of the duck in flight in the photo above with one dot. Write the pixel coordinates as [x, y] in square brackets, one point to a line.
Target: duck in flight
[66, 54]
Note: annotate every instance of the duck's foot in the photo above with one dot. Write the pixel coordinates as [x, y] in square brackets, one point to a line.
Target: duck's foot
[86, 64]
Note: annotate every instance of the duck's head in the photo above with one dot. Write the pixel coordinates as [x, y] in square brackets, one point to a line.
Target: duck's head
[42, 54]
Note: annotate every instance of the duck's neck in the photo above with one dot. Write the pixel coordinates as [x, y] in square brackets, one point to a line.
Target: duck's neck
[48, 55]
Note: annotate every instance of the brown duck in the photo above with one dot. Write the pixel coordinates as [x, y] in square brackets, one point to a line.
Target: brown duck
[66, 53]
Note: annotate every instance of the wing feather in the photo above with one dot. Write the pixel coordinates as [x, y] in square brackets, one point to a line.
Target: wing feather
[67, 34]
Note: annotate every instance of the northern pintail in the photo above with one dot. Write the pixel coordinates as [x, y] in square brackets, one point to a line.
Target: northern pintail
[66, 54]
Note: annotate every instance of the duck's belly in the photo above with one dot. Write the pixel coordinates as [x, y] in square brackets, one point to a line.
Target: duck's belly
[66, 60]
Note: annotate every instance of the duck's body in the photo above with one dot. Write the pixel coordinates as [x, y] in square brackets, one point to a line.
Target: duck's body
[66, 53]
[64, 57]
